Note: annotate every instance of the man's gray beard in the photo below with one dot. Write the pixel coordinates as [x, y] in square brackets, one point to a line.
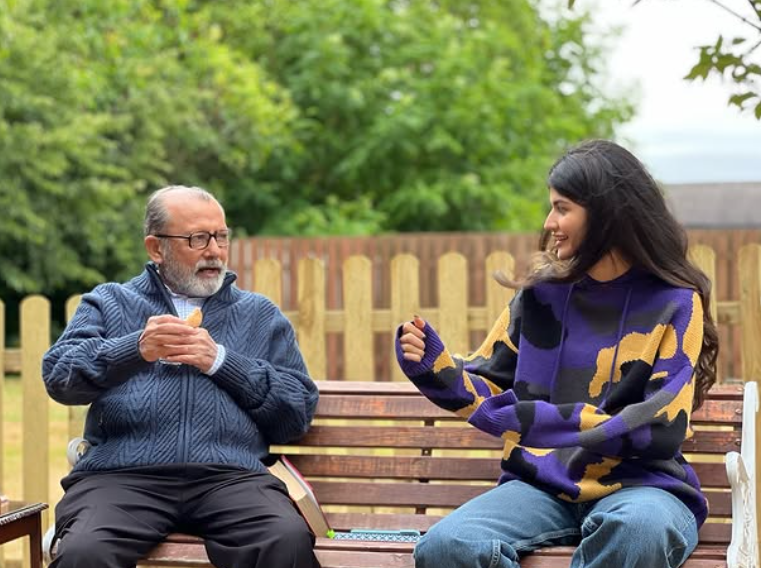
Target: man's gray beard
[183, 280]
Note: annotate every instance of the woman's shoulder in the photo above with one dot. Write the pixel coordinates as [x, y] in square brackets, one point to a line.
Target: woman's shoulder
[655, 285]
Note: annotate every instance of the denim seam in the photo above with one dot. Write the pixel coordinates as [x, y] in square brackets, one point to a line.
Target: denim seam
[670, 554]
[689, 520]
[495, 553]
[533, 543]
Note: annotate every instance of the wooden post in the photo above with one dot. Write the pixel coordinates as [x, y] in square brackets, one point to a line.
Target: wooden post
[405, 300]
[358, 319]
[750, 308]
[749, 269]
[311, 328]
[35, 340]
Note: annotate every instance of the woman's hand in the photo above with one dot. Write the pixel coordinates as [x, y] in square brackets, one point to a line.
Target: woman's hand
[412, 339]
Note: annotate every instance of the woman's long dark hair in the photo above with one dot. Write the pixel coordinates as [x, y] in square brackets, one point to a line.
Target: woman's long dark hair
[626, 212]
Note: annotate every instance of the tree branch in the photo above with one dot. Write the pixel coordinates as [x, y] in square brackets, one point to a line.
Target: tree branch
[752, 49]
[736, 15]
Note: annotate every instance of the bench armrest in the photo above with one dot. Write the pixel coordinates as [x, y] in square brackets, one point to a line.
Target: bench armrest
[743, 550]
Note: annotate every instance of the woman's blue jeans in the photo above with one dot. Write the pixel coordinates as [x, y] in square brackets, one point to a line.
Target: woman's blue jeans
[638, 527]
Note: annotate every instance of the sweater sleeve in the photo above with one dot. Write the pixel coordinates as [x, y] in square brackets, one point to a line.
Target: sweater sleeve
[276, 392]
[461, 384]
[84, 363]
[651, 429]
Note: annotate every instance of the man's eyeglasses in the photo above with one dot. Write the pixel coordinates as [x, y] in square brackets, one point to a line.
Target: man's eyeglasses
[201, 239]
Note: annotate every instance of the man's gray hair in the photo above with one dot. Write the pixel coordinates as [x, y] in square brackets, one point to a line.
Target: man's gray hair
[156, 215]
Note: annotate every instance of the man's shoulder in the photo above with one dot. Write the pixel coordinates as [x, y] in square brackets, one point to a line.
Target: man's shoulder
[252, 298]
[135, 286]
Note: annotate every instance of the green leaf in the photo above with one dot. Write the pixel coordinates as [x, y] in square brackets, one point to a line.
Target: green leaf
[739, 99]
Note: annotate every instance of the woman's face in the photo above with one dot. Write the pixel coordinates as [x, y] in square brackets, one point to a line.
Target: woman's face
[567, 221]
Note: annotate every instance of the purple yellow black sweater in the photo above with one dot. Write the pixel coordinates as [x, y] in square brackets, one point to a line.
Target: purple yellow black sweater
[590, 385]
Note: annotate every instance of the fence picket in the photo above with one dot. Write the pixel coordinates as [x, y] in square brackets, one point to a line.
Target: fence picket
[405, 299]
[311, 326]
[268, 279]
[35, 340]
[453, 302]
[358, 316]
[497, 296]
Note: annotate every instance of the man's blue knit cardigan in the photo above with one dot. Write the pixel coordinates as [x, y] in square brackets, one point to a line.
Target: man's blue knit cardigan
[145, 414]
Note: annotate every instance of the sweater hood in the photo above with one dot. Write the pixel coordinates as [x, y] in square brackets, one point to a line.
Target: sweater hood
[626, 283]
[632, 277]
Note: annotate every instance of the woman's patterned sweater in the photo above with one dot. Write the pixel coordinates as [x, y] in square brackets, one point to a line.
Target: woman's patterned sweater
[590, 385]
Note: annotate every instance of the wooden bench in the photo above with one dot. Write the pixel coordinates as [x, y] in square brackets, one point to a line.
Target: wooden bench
[380, 456]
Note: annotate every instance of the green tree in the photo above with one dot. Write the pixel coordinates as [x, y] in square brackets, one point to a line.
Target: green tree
[309, 117]
[101, 103]
[735, 58]
[416, 115]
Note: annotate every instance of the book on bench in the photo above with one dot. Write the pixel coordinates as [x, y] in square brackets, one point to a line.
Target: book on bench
[302, 495]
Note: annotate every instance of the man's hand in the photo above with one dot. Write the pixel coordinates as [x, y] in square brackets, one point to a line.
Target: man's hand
[171, 339]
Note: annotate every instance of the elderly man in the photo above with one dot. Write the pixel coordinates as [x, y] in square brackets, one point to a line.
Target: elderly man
[181, 415]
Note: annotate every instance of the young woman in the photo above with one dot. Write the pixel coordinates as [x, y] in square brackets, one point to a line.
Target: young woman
[589, 376]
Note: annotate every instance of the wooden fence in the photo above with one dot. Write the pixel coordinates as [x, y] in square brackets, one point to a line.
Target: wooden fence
[356, 325]
[429, 248]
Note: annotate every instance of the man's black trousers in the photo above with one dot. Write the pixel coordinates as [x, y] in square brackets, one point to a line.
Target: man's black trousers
[112, 519]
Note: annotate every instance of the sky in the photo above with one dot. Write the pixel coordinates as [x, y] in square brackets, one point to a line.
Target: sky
[684, 131]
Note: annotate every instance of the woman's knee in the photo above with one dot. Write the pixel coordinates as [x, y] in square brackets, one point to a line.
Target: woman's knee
[651, 526]
[444, 547]
[646, 511]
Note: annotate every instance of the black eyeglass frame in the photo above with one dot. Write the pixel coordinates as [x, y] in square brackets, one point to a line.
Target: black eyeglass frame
[222, 233]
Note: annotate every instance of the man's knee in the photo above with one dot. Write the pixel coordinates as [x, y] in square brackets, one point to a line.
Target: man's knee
[292, 531]
[286, 543]
[78, 550]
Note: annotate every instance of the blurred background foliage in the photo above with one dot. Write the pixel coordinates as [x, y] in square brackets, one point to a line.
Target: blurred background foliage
[307, 118]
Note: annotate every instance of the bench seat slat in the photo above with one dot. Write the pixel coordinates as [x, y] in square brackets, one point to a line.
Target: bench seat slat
[709, 558]
[343, 554]
[351, 559]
